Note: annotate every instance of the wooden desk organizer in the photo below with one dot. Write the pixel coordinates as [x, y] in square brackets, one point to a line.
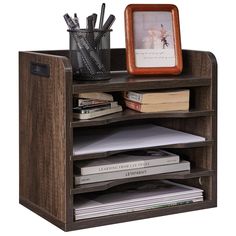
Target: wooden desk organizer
[47, 128]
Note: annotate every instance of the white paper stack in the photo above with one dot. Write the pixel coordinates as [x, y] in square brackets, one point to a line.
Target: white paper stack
[130, 137]
[141, 197]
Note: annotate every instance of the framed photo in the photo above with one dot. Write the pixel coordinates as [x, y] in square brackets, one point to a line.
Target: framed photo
[153, 43]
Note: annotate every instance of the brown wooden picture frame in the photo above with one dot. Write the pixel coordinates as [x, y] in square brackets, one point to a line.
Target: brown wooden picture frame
[148, 50]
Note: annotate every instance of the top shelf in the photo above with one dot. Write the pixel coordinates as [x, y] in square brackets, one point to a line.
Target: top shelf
[122, 81]
[198, 71]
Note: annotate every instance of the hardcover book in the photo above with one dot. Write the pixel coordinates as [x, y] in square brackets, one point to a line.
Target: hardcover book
[97, 113]
[132, 160]
[96, 96]
[95, 108]
[147, 97]
[154, 170]
[159, 107]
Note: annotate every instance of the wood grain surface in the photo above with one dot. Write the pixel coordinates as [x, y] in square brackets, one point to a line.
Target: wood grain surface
[43, 134]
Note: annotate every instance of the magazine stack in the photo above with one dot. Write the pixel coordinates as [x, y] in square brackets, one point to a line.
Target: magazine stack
[140, 196]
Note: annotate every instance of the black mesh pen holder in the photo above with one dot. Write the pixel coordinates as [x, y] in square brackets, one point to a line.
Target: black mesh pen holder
[90, 54]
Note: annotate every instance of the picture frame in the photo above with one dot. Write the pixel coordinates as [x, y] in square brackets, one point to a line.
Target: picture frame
[153, 44]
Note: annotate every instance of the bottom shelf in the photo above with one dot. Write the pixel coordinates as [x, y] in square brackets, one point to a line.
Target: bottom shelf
[106, 220]
[144, 196]
[111, 219]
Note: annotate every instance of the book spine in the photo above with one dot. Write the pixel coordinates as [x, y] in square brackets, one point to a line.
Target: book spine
[85, 179]
[133, 105]
[83, 102]
[98, 113]
[134, 96]
[129, 165]
[96, 96]
[100, 107]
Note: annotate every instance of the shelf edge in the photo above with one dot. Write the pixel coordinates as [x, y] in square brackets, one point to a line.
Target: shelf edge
[152, 84]
[101, 186]
[116, 118]
[107, 154]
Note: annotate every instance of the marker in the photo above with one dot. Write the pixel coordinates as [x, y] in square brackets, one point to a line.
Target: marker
[94, 19]
[105, 27]
[76, 20]
[71, 24]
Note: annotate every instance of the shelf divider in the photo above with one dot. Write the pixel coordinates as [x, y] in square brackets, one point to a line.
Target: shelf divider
[100, 186]
[107, 154]
[128, 114]
[122, 81]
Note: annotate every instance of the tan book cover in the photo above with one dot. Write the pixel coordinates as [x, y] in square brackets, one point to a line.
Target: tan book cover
[159, 107]
[147, 97]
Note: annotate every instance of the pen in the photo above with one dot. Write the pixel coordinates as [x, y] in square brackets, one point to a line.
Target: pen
[90, 30]
[78, 54]
[93, 54]
[102, 15]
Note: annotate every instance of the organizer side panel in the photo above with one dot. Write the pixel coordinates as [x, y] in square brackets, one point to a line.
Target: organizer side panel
[43, 134]
[214, 75]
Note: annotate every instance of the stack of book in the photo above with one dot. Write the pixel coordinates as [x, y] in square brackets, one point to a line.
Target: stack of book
[158, 101]
[135, 197]
[130, 165]
[91, 105]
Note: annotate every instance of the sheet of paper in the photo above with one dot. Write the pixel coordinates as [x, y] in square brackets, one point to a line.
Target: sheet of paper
[130, 137]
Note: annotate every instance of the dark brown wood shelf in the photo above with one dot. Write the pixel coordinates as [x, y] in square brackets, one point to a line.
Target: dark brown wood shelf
[100, 186]
[123, 82]
[48, 133]
[107, 154]
[128, 114]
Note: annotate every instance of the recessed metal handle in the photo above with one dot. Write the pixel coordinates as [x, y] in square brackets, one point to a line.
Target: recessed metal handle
[40, 69]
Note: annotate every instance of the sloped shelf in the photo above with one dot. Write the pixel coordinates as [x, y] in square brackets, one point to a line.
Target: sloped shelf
[100, 186]
[128, 114]
[107, 154]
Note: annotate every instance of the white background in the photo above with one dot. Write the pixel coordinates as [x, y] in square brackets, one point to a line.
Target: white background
[35, 25]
